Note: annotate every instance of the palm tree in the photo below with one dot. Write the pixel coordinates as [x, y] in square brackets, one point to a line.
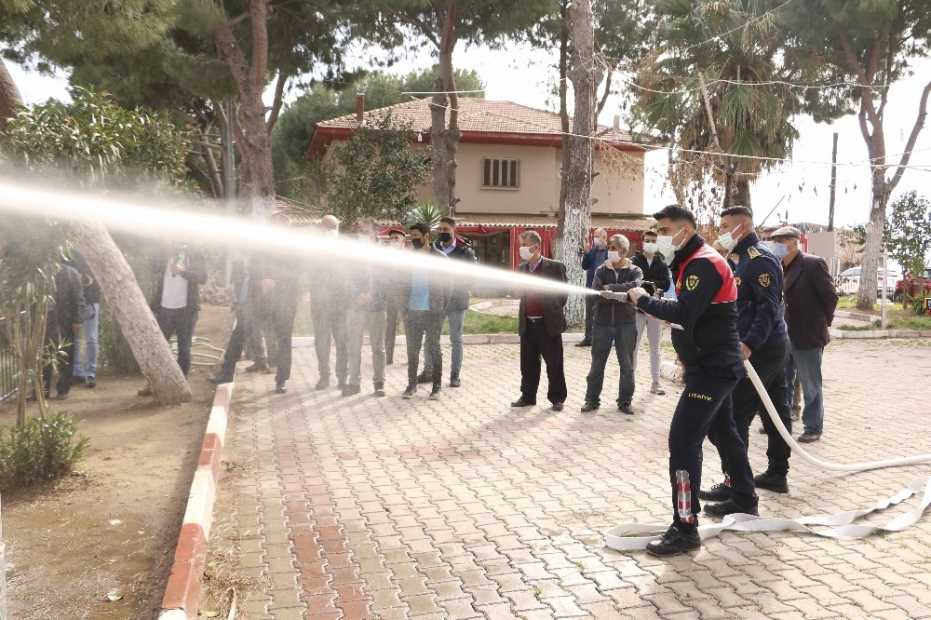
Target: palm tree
[715, 84]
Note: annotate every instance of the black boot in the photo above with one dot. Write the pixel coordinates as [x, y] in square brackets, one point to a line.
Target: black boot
[322, 384]
[425, 377]
[718, 493]
[435, 392]
[410, 391]
[734, 505]
[281, 387]
[772, 481]
[677, 539]
[379, 390]
[351, 390]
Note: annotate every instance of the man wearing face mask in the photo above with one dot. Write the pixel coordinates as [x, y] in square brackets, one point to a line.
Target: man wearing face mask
[764, 341]
[593, 257]
[810, 304]
[328, 310]
[448, 244]
[426, 297]
[655, 271]
[614, 324]
[541, 323]
[709, 347]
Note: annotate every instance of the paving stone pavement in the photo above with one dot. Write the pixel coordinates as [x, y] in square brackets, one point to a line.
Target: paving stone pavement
[463, 508]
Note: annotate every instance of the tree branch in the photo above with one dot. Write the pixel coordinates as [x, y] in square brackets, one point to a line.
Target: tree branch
[426, 31]
[276, 104]
[913, 137]
[259, 12]
[604, 96]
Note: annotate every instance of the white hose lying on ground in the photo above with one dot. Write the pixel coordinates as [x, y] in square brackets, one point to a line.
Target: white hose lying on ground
[634, 537]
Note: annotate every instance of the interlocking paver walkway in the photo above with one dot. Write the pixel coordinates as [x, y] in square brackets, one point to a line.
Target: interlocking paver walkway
[464, 508]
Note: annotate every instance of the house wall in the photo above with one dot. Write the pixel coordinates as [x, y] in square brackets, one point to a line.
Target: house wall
[618, 189]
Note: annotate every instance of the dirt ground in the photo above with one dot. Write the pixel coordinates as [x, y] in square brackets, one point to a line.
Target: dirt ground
[112, 525]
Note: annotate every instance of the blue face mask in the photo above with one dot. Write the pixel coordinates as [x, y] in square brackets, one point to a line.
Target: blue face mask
[779, 249]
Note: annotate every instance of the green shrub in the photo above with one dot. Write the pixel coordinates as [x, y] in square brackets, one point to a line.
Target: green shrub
[42, 449]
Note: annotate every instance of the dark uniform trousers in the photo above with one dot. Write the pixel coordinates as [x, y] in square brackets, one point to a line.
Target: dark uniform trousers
[536, 343]
[179, 322]
[769, 363]
[704, 403]
[281, 318]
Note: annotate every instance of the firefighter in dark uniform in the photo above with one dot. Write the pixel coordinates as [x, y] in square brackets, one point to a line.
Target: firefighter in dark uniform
[764, 341]
[709, 348]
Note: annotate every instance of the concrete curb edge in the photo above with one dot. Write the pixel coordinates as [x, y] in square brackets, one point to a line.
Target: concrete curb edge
[182, 592]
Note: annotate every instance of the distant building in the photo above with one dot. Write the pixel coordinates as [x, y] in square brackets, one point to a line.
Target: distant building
[509, 166]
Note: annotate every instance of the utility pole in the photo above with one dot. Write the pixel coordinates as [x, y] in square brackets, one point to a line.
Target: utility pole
[833, 184]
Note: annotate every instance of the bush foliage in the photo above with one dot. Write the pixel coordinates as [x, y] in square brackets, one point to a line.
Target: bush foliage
[42, 449]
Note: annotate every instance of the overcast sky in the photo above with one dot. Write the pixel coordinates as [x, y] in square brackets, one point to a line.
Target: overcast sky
[525, 75]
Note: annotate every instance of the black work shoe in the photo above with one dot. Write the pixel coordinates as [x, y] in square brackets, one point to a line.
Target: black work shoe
[435, 392]
[425, 378]
[584, 343]
[521, 403]
[379, 391]
[218, 380]
[322, 384]
[730, 506]
[409, 392]
[281, 387]
[454, 382]
[718, 493]
[589, 407]
[341, 384]
[257, 367]
[675, 541]
[558, 406]
[809, 437]
[90, 382]
[625, 408]
[351, 390]
[771, 481]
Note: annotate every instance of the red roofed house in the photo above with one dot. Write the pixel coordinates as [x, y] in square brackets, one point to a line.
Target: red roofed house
[508, 171]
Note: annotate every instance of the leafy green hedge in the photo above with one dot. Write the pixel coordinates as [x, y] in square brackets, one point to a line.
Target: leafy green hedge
[41, 450]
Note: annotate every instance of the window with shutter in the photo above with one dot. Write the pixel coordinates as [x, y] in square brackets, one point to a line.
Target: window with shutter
[500, 173]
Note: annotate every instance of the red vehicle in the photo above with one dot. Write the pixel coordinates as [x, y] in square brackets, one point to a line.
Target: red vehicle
[913, 286]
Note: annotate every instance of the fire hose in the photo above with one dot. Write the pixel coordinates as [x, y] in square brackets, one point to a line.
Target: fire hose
[634, 537]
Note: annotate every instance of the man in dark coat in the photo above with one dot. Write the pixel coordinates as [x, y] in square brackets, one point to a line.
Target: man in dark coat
[66, 313]
[179, 274]
[456, 248]
[810, 304]
[541, 323]
[593, 257]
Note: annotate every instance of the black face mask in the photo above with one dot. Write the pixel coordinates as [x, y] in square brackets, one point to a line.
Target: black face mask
[445, 237]
[417, 243]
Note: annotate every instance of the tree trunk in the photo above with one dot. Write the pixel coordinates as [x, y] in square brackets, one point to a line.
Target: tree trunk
[576, 220]
[445, 137]
[872, 249]
[252, 132]
[131, 311]
[10, 98]
[563, 105]
[741, 191]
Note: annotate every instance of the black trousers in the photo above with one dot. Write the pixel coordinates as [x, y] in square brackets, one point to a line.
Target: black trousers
[769, 363]
[179, 322]
[537, 344]
[330, 328]
[418, 328]
[704, 403]
[242, 331]
[589, 316]
[393, 311]
[282, 328]
[56, 335]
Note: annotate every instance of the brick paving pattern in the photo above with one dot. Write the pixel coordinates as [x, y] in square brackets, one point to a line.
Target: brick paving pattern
[463, 508]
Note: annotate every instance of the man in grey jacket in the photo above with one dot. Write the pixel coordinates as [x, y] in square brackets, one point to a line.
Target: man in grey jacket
[449, 244]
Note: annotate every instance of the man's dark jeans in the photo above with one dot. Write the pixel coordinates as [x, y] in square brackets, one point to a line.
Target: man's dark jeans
[179, 322]
[623, 338]
[589, 317]
[420, 326]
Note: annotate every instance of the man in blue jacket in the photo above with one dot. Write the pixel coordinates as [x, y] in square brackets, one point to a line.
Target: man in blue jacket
[764, 341]
[593, 257]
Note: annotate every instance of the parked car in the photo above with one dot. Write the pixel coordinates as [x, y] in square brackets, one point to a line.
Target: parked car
[849, 281]
[912, 286]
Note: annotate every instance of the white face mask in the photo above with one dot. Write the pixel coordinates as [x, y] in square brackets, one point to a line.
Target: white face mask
[665, 247]
[599, 242]
[526, 253]
[613, 256]
[649, 247]
[727, 242]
